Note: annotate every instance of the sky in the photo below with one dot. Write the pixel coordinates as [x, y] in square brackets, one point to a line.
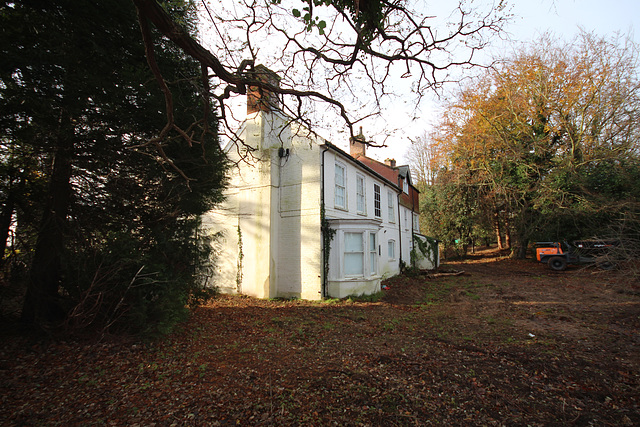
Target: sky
[562, 18]
[531, 18]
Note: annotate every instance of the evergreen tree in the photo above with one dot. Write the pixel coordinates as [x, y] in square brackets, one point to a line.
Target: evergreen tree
[117, 239]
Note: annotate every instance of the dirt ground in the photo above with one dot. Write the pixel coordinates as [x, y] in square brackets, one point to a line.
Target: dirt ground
[504, 342]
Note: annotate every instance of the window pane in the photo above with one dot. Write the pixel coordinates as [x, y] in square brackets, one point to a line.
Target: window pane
[373, 253]
[353, 264]
[392, 212]
[360, 193]
[339, 175]
[353, 254]
[340, 199]
[376, 199]
[353, 242]
[392, 249]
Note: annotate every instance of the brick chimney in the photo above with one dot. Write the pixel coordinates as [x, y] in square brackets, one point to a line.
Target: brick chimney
[390, 162]
[357, 145]
[261, 99]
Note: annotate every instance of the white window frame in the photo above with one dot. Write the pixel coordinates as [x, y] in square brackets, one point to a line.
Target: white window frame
[416, 222]
[390, 206]
[391, 249]
[373, 253]
[340, 187]
[377, 206]
[350, 253]
[361, 195]
[405, 186]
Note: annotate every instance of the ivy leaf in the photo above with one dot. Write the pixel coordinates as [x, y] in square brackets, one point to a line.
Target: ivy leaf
[296, 13]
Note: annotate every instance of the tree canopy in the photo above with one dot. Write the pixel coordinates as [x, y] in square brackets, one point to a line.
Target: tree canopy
[110, 229]
[342, 53]
[548, 139]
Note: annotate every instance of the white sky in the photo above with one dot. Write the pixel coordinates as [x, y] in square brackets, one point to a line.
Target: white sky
[531, 18]
[563, 18]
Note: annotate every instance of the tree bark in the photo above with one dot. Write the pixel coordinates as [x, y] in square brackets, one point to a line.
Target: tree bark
[496, 219]
[5, 223]
[41, 301]
[507, 232]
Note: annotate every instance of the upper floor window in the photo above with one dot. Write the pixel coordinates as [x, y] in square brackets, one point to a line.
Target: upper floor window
[391, 210]
[340, 193]
[360, 194]
[405, 186]
[376, 200]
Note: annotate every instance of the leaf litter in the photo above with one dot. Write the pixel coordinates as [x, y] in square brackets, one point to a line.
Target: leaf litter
[506, 343]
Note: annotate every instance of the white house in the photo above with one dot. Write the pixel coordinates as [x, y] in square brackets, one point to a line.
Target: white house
[303, 218]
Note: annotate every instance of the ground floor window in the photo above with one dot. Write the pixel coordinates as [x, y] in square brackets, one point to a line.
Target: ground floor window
[355, 249]
[391, 249]
[353, 254]
[373, 253]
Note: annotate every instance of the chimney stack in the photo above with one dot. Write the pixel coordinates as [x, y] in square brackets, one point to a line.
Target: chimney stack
[390, 162]
[358, 146]
[259, 99]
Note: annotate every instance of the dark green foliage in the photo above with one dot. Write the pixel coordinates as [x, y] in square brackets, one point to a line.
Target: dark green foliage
[368, 15]
[117, 239]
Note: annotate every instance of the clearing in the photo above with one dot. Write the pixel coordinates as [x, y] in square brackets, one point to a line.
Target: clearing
[509, 342]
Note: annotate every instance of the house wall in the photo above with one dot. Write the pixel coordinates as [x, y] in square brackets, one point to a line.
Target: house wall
[299, 264]
[349, 219]
[268, 229]
[269, 240]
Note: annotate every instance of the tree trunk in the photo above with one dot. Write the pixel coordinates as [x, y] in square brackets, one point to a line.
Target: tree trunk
[41, 300]
[5, 223]
[507, 233]
[496, 222]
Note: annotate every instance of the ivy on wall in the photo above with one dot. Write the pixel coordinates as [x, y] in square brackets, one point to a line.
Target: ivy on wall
[427, 248]
[240, 259]
[328, 234]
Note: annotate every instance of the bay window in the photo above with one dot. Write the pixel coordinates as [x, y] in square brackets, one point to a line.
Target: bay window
[373, 253]
[353, 254]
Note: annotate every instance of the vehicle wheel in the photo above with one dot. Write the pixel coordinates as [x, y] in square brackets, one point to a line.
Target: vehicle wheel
[557, 263]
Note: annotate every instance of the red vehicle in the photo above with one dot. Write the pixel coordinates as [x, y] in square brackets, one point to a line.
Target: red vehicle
[558, 255]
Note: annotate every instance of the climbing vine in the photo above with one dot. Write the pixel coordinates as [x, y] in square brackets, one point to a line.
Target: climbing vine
[427, 248]
[240, 258]
[328, 234]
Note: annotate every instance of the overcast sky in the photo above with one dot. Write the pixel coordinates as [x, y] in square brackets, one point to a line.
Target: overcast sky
[531, 18]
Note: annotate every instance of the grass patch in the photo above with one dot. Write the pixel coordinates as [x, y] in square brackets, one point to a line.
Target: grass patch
[366, 298]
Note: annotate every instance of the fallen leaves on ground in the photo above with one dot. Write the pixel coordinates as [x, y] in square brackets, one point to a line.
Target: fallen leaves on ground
[506, 343]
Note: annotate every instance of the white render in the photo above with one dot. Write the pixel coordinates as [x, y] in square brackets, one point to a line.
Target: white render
[269, 241]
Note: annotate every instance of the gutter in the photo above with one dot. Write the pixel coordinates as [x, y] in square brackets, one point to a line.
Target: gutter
[399, 232]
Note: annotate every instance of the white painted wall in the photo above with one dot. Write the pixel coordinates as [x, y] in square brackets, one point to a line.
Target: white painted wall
[350, 220]
[269, 242]
[269, 228]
